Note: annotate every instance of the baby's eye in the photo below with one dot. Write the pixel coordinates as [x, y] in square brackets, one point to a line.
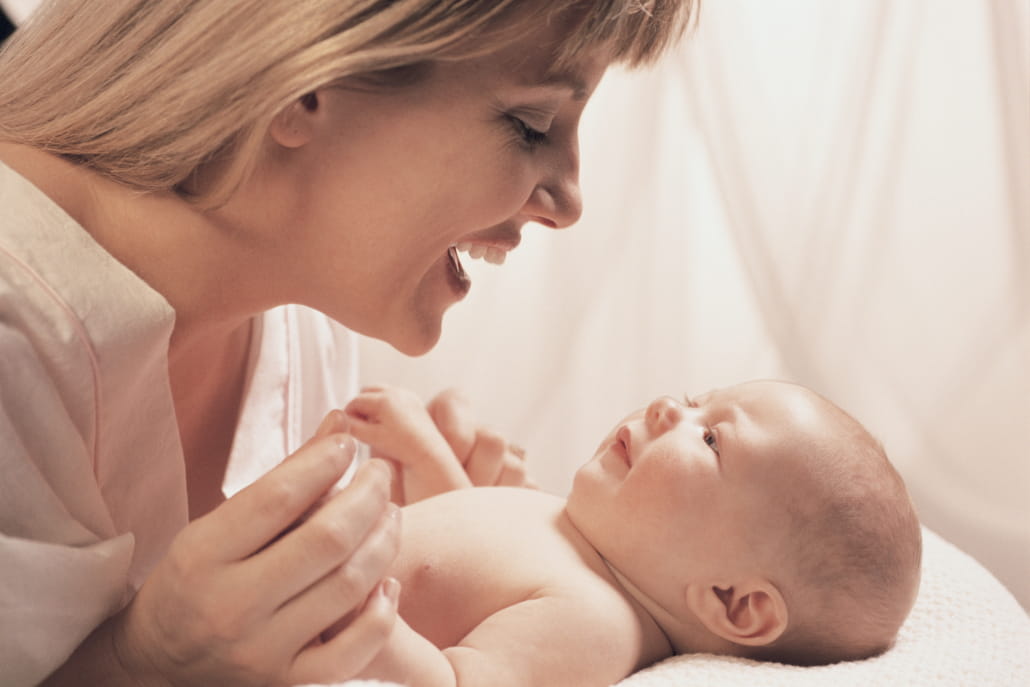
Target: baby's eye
[711, 441]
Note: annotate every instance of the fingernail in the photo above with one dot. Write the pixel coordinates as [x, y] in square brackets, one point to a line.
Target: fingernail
[391, 589]
[328, 422]
[393, 511]
[345, 442]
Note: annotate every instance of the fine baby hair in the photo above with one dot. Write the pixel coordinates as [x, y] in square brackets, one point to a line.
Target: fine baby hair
[853, 545]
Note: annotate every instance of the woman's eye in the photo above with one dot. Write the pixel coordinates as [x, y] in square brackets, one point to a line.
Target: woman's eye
[530, 136]
[710, 440]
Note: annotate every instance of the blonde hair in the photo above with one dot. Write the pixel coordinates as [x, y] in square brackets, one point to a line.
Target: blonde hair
[147, 91]
[853, 553]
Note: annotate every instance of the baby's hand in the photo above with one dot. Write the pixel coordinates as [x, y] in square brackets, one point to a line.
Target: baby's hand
[397, 427]
[487, 457]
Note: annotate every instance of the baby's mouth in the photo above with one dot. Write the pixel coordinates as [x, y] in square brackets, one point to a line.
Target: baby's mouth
[622, 444]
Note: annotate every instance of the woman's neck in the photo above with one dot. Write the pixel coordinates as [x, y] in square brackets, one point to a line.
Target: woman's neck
[201, 269]
[203, 273]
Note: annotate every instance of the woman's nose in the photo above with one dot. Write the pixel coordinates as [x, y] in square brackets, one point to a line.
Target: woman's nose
[663, 414]
[556, 201]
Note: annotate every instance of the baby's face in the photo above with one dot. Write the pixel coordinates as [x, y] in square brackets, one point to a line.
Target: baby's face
[686, 491]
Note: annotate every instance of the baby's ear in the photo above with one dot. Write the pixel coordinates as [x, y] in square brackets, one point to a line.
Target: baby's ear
[752, 613]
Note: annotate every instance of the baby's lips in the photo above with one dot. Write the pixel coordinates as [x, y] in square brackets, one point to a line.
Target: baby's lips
[623, 441]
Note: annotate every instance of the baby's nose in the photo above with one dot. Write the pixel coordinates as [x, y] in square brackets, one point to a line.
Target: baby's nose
[663, 414]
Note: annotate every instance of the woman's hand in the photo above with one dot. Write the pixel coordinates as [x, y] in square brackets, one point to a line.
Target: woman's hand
[245, 592]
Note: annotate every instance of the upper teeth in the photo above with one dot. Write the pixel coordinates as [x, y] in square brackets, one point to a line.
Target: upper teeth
[492, 254]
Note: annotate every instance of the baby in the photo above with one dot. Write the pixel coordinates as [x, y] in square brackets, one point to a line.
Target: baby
[758, 520]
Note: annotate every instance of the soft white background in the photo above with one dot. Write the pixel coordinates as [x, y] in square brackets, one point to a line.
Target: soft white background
[835, 192]
[17, 10]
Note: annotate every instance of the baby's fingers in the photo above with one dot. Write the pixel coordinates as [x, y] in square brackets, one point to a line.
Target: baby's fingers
[513, 471]
[452, 415]
[486, 460]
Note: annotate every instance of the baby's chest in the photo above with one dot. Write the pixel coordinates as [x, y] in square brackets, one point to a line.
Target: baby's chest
[462, 561]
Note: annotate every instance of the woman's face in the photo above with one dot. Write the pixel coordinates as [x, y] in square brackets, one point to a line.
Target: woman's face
[364, 194]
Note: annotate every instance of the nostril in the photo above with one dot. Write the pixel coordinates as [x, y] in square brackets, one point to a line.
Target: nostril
[656, 413]
[663, 413]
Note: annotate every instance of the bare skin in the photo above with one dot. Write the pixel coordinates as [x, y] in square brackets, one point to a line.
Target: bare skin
[324, 220]
[666, 543]
[148, 642]
[519, 597]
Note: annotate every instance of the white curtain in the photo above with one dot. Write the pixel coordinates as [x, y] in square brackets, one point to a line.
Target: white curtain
[834, 193]
[18, 10]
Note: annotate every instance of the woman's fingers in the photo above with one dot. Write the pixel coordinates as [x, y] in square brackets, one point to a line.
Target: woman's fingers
[341, 592]
[328, 538]
[353, 647]
[257, 514]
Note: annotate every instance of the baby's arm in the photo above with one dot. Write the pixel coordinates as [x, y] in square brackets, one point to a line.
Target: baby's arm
[577, 640]
[395, 424]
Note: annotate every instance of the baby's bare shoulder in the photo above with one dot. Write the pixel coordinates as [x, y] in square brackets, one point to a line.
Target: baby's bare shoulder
[468, 554]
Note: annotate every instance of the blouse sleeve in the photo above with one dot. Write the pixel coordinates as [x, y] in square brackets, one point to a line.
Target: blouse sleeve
[63, 569]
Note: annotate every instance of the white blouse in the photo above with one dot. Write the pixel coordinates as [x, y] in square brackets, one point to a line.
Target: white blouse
[93, 480]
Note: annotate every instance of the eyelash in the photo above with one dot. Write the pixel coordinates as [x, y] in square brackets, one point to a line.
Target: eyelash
[709, 436]
[527, 134]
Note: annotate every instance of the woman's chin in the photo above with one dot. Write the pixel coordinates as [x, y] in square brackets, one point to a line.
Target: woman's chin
[415, 349]
[418, 336]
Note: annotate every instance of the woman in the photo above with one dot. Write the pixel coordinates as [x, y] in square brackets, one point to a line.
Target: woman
[173, 174]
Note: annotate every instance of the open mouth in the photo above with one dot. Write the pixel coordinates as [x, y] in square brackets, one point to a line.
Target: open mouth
[459, 278]
[456, 266]
[493, 254]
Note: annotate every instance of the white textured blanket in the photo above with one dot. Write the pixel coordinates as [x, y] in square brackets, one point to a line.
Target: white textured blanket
[966, 629]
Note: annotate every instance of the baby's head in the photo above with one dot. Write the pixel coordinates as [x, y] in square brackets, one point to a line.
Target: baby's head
[759, 520]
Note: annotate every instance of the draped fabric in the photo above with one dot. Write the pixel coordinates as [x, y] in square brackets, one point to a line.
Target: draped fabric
[835, 193]
[18, 10]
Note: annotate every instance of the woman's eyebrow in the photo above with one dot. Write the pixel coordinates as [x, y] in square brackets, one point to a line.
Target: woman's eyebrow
[563, 79]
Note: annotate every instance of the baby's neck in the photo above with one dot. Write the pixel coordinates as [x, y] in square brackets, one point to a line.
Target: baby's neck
[665, 620]
[684, 635]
